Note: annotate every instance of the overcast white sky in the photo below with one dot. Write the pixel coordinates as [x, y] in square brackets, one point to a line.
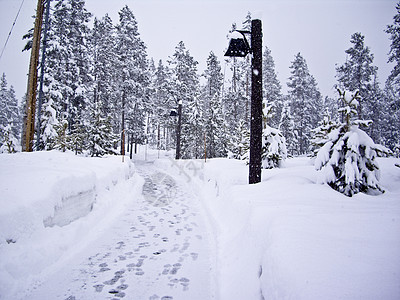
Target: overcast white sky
[319, 29]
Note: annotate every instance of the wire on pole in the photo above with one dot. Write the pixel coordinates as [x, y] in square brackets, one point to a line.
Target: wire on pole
[12, 27]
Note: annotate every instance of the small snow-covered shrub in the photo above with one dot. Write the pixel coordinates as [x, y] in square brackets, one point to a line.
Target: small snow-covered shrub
[10, 143]
[347, 159]
[273, 149]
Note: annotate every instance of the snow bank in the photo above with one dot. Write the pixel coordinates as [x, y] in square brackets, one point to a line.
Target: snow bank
[48, 199]
[290, 238]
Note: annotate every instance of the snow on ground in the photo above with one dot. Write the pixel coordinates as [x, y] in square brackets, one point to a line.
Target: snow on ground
[158, 228]
[39, 190]
[290, 238]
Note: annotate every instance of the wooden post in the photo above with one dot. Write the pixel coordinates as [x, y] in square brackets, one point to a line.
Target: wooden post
[28, 129]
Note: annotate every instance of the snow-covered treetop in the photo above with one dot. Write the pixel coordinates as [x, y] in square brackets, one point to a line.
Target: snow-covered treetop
[350, 102]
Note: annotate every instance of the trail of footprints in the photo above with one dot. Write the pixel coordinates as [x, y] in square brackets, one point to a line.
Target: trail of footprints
[140, 256]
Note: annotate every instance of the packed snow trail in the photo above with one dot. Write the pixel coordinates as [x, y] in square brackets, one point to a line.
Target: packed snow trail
[159, 249]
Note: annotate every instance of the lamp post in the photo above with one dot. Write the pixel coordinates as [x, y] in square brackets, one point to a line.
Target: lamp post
[178, 129]
[178, 133]
[240, 48]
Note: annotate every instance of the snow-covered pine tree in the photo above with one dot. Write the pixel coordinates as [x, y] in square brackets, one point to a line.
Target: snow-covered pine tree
[274, 150]
[394, 55]
[48, 125]
[286, 126]
[236, 100]
[320, 134]
[104, 71]
[62, 142]
[100, 135]
[3, 106]
[239, 145]
[357, 73]
[215, 131]
[306, 102]
[162, 105]
[391, 123]
[273, 142]
[185, 87]
[133, 74]
[392, 87]
[10, 120]
[192, 135]
[217, 144]
[347, 160]
[9, 141]
[67, 80]
[271, 88]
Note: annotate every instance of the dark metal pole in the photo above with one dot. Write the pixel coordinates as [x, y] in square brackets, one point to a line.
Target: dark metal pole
[178, 132]
[256, 103]
[123, 125]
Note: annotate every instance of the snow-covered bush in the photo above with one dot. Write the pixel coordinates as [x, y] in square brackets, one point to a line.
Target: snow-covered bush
[239, 144]
[273, 148]
[273, 151]
[10, 142]
[61, 141]
[347, 160]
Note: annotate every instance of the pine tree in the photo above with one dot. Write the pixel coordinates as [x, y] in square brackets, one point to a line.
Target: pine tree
[286, 126]
[320, 134]
[392, 87]
[192, 135]
[357, 73]
[133, 76]
[216, 141]
[274, 150]
[3, 106]
[391, 121]
[236, 102]
[10, 120]
[67, 79]
[48, 125]
[271, 88]
[105, 80]
[185, 87]
[347, 160]
[9, 140]
[101, 137]
[394, 55]
[306, 102]
[62, 142]
[162, 105]
[239, 144]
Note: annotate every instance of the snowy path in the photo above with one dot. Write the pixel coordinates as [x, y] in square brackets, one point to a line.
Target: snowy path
[159, 249]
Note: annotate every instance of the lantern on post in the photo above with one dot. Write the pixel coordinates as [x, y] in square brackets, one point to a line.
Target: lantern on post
[239, 47]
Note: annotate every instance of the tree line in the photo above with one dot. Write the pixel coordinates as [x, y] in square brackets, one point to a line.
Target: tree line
[100, 85]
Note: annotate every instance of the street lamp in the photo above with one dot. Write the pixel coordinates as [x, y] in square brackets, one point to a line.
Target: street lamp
[239, 47]
[178, 129]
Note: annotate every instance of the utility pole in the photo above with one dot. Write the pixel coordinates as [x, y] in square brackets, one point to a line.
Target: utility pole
[256, 103]
[29, 117]
[46, 28]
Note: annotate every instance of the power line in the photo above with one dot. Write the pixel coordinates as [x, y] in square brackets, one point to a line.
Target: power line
[12, 27]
